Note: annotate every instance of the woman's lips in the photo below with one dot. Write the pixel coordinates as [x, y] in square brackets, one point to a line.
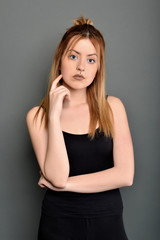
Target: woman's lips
[78, 77]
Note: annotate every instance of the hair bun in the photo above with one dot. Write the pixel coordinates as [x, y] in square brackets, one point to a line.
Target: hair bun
[82, 20]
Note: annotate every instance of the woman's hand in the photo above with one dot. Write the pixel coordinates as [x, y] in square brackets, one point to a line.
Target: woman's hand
[44, 183]
[56, 97]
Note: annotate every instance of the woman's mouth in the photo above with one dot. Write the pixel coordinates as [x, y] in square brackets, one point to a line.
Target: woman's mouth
[78, 77]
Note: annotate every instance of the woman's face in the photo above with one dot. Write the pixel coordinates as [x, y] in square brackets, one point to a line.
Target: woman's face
[81, 60]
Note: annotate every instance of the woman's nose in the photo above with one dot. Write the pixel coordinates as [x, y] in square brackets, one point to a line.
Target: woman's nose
[80, 69]
[81, 65]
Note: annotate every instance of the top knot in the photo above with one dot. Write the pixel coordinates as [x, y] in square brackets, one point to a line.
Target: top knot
[82, 20]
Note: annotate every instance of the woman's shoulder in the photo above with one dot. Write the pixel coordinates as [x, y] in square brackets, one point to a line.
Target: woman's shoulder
[116, 105]
[32, 112]
[113, 99]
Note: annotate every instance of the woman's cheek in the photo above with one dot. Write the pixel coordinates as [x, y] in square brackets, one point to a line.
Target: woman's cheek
[65, 73]
[66, 69]
[92, 74]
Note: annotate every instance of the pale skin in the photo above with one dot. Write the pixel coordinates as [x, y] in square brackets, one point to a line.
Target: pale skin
[72, 115]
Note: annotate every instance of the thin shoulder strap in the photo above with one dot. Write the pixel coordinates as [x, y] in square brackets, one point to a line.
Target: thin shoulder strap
[106, 96]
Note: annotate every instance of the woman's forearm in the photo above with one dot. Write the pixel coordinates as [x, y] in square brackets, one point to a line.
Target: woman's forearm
[104, 180]
[56, 165]
[108, 179]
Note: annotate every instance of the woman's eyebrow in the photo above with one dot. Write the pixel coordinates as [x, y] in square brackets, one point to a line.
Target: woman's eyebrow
[79, 52]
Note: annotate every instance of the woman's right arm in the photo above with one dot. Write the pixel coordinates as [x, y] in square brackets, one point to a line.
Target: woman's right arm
[50, 149]
[48, 144]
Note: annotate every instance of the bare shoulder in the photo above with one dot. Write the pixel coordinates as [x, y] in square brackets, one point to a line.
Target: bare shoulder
[112, 100]
[30, 115]
[119, 112]
[121, 125]
[116, 105]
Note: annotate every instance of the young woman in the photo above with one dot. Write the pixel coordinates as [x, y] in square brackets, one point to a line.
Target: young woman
[82, 143]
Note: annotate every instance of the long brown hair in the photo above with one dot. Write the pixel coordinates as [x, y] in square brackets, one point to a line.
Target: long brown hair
[100, 110]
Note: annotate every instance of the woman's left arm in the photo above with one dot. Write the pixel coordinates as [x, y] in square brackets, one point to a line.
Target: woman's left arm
[122, 173]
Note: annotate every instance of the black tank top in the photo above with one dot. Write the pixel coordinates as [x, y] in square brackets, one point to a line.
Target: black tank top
[85, 156]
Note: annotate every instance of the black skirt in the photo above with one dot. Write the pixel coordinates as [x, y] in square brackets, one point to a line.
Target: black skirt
[78, 216]
[110, 227]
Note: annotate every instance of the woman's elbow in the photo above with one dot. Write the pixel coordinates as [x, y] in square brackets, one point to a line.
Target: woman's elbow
[60, 184]
[130, 181]
[56, 179]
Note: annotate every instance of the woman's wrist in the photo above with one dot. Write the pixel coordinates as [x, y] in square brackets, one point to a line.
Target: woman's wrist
[54, 119]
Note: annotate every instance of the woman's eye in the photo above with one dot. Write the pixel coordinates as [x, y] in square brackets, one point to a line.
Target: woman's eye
[91, 59]
[72, 56]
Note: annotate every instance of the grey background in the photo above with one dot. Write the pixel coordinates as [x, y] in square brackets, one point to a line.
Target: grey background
[30, 32]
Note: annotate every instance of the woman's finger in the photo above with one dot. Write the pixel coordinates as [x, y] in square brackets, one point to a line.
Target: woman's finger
[54, 83]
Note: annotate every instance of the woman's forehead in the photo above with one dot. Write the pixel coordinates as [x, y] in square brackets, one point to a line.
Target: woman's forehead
[74, 40]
